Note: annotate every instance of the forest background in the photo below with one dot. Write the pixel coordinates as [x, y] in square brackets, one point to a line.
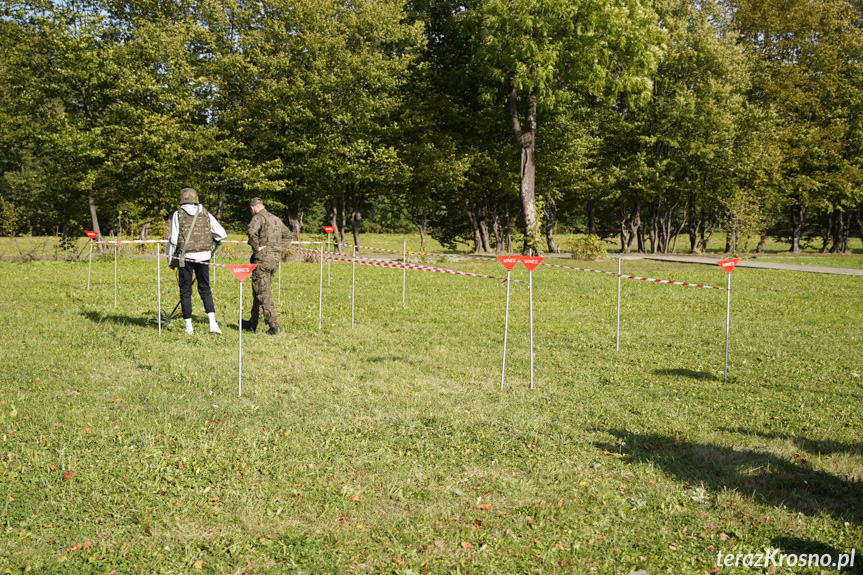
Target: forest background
[492, 122]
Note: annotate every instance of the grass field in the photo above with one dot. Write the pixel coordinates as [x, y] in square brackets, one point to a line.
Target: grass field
[391, 448]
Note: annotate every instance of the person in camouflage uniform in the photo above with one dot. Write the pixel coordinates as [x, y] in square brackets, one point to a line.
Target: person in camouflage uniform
[268, 237]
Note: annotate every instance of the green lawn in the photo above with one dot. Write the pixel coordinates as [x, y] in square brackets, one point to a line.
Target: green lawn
[391, 448]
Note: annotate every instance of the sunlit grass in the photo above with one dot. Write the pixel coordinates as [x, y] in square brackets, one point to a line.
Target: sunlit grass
[391, 447]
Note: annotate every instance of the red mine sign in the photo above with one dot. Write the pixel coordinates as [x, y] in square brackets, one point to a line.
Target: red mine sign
[728, 265]
[241, 271]
[531, 262]
[509, 262]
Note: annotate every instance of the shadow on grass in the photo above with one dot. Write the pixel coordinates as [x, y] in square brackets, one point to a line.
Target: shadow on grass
[762, 476]
[688, 373]
[797, 546]
[821, 446]
[120, 319]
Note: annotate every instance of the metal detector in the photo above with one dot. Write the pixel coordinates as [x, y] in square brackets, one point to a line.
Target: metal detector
[165, 320]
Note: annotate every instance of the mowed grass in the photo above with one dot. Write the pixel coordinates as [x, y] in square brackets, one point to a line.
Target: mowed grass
[391, 448]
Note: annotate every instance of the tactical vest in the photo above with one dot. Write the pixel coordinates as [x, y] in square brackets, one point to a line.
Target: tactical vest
[198, 240]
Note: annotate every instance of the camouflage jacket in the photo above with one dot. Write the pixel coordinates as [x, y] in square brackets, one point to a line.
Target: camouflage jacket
[265, 229]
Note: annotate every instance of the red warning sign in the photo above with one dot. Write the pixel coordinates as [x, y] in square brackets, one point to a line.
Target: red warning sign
[91, 235]
[241, 272]
[531, 262]
[329, 229]
[728, 265]
[509, 262]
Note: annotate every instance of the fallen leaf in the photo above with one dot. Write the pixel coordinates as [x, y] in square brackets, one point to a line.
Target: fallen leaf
[483, 506]
[672, 547]
[397, 560]
[86, 545]
[68, 475]
[355, 498]
[723, 536]
[199, 564]
[116, 400]
[61, 559]
[466, 544]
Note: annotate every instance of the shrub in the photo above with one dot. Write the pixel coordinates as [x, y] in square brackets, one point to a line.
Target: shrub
[586, 249]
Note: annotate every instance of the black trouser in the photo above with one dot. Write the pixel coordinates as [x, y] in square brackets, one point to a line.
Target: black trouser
[202, 273]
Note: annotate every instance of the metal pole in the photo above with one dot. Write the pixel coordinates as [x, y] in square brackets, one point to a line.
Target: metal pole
[505, 329]
[405, 269]
[215, 267]
[89, 264]
[617, 338]
[727, 325]
[328, 261]
[115, 275]
[530, 289]
[240, 352]
[280, 282]
[321, 289]
[353, 283]
[159, 284]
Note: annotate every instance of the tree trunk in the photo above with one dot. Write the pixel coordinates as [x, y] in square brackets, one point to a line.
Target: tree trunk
[91, 201]
[357, 217]
[591, 217]
[550, 219]
[761, 242]
[860, 221]
[292, 215]
[625, 242]
[526, 141]
[474, 223]
[797, 217]
[508, 228]
[420, 221]
[840, 232]
[219, 205]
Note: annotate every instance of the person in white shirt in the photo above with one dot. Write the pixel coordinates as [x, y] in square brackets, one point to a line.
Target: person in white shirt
[192, 233]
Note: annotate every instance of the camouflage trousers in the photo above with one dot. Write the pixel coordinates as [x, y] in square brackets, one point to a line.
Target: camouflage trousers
[262, 282]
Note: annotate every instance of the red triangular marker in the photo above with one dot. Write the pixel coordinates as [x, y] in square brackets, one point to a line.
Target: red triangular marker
[509, 262]
[531, 262]
[91, 235]
[241, 272]
[728, 265]
[329, 229]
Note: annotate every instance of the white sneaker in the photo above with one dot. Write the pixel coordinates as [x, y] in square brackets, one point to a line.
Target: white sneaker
[214, 328]
[189, 329]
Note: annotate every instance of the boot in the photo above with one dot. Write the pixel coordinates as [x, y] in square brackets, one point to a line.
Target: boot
[249, 325]
[214, 326]
[274, 329]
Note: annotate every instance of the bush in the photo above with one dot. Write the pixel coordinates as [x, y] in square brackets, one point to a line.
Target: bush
[586, 249]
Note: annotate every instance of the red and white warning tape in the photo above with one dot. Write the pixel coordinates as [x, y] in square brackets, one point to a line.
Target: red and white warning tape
[634, 277]
[371, 248]
[669, 282]
[400, 266]
[116, 242]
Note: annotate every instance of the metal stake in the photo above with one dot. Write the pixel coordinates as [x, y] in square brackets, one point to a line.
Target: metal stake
[159, 284]
[280, 282]
[353, 283]
[321, 290]
[405, 269]
[328, 261]
[240, 352]
[89, 264]
[530, 289]
[115, 275]
[617, 337]
[505, 329]
[727, 325]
